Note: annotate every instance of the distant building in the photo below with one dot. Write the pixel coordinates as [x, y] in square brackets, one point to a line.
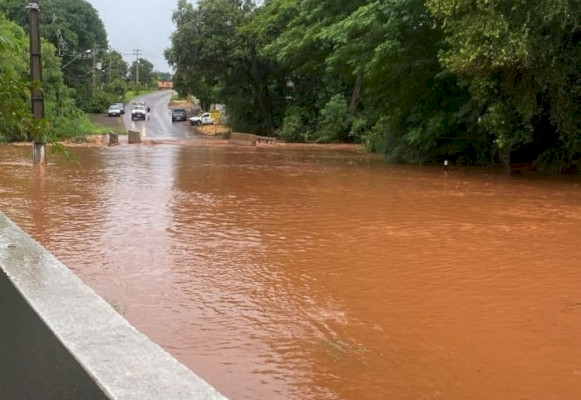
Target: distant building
[163, 85]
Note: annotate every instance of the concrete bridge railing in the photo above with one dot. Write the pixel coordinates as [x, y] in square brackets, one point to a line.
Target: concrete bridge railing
[60, 340]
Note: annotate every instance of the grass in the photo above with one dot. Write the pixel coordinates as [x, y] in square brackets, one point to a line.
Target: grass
[96, 124]
[132, 94]
[98, 129]
[177, 97]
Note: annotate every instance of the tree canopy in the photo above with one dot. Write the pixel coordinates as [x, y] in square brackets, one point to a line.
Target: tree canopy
[15, 117]
[472, 82]
[64, 79]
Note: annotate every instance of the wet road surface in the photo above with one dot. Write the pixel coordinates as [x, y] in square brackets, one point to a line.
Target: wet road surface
[159, 126]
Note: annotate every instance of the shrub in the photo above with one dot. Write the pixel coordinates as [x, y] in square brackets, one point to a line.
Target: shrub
[294, 126]
[335, 119]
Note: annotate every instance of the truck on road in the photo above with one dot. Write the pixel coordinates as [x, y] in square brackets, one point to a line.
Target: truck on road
[138, 111]
[203, 119]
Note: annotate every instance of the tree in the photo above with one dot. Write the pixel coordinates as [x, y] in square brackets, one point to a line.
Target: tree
[520, 60]
[16, 120]
[217, 59]
[469, 81]
[372, 63]
[114, 74]
[114, 67]
[165, 76]
[146, 73]
[72, 26]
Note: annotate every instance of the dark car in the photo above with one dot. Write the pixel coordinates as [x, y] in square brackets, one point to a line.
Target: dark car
[179, 114]
[121, 107]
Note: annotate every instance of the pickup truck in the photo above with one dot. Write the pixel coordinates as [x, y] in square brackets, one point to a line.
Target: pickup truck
[138, 112]
[203, 119]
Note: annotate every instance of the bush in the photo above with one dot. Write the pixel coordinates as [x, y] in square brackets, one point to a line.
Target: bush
[335, 121]
[117, 87]
[101, 101]
[294, 126]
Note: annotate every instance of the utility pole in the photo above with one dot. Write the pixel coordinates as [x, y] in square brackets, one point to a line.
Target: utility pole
[39, 146]
[137, 53]
[109, 71]
[93, 72]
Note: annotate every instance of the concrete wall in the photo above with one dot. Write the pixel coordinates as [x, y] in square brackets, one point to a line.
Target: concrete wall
[60, 340]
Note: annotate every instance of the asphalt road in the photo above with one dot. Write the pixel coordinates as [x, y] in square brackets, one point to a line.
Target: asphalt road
[159, 126]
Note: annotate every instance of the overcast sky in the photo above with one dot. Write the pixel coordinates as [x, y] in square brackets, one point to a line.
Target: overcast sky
[138, 24]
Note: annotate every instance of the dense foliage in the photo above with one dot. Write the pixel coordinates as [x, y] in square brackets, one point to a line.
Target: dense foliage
[15, 117]
[470, 81]
[80, 73]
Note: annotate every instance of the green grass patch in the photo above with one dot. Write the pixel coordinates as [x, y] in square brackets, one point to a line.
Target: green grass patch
[177, 97]
[98, 129]
[132, 94]
[87, 125]
[71, 127]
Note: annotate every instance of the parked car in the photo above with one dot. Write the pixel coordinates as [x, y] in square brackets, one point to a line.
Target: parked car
[178, 114]
[202, 119]
[138, 112]
[121, 107]
[114, 111]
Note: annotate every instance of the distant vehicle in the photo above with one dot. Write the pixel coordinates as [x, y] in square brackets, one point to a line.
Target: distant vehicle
[179, 114]
[121, 107]
[202, 119]
[138, 112]
[114, 110]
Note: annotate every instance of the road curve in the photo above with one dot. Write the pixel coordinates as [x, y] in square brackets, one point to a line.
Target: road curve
[159, 126]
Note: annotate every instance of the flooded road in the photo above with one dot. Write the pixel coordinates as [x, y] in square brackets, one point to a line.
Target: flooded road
[304, 273]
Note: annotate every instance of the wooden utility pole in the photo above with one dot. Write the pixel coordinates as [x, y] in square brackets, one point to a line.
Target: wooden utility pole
[109, 72]
[137, 53]
[39, 146]
[93, 73]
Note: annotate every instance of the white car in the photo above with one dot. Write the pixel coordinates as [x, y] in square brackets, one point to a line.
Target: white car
[114, 111]
[203, 119]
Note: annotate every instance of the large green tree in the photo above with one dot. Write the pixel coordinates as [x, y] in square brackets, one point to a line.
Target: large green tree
[147, 76]
[62, 117]
[521, 61]
[16, 120]
[218, 61]
[470, 81]
[73, 27]
[366, 70]
[114, 73]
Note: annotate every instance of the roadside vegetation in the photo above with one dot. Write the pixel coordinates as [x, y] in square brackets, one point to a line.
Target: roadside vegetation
[81, 74]
[421, 81]
[132, 94]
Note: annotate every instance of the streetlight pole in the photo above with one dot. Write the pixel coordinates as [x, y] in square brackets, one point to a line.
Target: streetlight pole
[39, 145]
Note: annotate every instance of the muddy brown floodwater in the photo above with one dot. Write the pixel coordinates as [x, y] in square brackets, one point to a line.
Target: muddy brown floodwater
[288, 273]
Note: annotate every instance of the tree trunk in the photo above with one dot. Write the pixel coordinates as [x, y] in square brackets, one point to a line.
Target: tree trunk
[356, 92]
